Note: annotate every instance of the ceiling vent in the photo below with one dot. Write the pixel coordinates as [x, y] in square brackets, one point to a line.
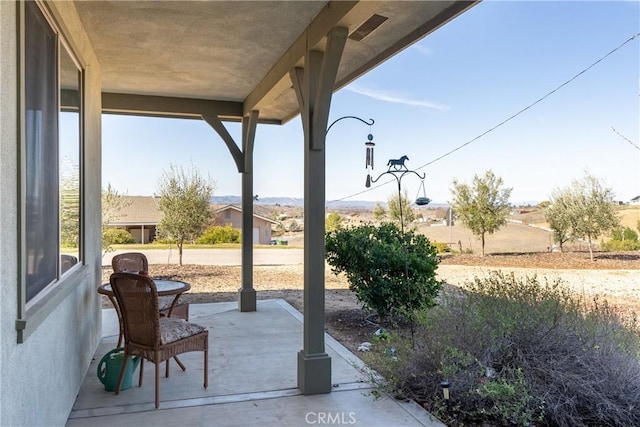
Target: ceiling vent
[367, 27]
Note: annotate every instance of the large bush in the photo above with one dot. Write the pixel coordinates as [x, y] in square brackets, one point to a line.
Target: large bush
[116, 236]
[219, 234]
[622, 239]
[388, 271]
[520, 352]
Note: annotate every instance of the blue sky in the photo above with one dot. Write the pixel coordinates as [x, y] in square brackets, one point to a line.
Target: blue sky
[449, 88]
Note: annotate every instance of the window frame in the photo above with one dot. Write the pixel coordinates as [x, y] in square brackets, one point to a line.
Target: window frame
[33, 313]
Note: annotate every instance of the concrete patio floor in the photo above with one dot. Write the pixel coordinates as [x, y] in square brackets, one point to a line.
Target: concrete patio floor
[252, 380]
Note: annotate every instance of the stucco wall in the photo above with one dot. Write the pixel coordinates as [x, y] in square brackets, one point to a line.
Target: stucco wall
[235, 221]
[39, 379]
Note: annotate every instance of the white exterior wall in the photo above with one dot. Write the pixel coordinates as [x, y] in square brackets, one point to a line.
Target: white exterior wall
[236, 222]
[39, 379]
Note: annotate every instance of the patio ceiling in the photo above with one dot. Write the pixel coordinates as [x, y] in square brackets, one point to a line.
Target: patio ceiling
[188, 58]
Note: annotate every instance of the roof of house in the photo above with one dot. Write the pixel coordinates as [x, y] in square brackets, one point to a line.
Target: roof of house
[139, 210]
[144, 210]
[636, 199]
[224, 208]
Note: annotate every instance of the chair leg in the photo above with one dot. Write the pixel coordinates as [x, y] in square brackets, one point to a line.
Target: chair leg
[166, 369]
[157, 382]
[141, 369]
[121, 376]
[179, 363]
[206, 368]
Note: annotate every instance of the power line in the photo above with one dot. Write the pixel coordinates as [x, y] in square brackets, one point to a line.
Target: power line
[625, 138]
[448, 153]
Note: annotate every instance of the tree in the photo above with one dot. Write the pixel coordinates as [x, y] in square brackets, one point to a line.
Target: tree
[184, 201]
[557, 215]
[408, 215]
[112, 204]
[388, 270]
[590, 207]
[70, 211]
[333, 222]
[483, 206]
[379, 212]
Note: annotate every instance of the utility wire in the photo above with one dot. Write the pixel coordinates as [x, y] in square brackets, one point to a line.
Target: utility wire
[505, 121]
[625, 138]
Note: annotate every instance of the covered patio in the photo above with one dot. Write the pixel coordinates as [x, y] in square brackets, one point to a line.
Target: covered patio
[253, 62]
[251, 380]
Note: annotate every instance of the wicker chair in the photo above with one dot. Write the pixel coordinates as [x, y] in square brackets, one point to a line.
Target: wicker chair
[137, 261]
[149, 335]
[130, 261]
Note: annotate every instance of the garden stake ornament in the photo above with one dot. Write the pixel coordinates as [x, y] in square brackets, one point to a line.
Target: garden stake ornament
[399, 170]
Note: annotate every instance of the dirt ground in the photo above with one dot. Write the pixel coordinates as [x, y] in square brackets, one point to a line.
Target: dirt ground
[614, 275]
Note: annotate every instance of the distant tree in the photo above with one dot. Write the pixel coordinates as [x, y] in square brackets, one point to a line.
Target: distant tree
[624, 233]
[482, 206]
[379, 212]
[184, 201]
[333, 222]
[112, 204]
[294, 226]
[557, 215]
[70, 211]
[408, 215]
[591, 209]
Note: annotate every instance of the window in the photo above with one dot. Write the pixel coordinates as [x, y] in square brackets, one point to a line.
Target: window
[51, 158]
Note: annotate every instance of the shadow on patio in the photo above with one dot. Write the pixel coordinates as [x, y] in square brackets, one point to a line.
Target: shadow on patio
[252, 380]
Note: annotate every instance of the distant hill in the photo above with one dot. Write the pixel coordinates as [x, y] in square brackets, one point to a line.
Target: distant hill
[297, 201]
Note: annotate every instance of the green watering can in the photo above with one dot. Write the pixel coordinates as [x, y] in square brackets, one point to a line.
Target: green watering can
[110, 366]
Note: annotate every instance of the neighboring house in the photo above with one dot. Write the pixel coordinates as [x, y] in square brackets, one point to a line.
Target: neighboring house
[635, 201]
[140, 216]
[232, 215]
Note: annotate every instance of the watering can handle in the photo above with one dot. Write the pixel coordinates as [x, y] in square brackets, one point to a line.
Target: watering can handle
[102, 366]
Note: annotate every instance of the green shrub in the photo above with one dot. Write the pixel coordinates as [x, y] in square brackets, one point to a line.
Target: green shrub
[441, 247]
[376, 259]
[520, 352]
[620, 245]
[116, 236]
[218, 234]
[622, 239]
[625, 233]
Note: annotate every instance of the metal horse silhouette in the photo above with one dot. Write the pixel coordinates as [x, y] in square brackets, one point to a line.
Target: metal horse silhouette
[397, 164]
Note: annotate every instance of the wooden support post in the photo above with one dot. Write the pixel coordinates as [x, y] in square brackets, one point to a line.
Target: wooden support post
[247, 294]
[244, 162]
[314, 86]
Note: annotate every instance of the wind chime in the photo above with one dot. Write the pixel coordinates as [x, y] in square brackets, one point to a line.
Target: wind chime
[369, 158]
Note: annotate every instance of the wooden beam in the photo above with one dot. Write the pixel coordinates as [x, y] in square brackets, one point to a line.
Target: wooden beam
[428, 27]
[249, 135]
[164, 106]
[217, 125]
[276, 80]
[297, 79]
[326, 81]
